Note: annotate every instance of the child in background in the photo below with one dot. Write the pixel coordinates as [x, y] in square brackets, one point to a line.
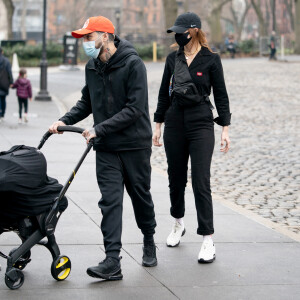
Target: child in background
[24, 92]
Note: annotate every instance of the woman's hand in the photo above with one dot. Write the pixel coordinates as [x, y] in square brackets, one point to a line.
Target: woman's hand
[225, 140]
[157, 135]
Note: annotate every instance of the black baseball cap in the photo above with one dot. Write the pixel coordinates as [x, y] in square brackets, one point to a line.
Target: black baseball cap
[184, 22]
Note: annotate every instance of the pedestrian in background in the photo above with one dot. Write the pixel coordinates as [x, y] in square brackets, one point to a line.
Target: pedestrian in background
[6, 79]
[272, 46]
[231, 46]
[24, 91]
[184, 106]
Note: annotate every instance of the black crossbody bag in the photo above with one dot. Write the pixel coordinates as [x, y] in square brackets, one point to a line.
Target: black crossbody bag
[184, 89]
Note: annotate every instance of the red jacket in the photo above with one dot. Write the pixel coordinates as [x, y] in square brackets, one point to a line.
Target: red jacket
[23, 87]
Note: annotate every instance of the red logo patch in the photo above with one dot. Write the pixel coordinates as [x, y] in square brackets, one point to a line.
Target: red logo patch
[199, 74]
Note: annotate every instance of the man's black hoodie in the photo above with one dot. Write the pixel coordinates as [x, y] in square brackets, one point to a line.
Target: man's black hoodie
[116, 94]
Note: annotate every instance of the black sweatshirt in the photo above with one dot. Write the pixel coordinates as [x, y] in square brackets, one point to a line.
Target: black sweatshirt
[116, 94]
[207, 72]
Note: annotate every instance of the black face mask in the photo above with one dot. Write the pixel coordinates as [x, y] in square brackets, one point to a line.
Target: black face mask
[182, 38]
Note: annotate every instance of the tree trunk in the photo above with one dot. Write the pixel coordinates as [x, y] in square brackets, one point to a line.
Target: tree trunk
[289, 6]
[297, 26]
[170, 10]
[214, 22]
[239, 26]
[23, 21]
[273, 7]
[262, 23]
[9, 12]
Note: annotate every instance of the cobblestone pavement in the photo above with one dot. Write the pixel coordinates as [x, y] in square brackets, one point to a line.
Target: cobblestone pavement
[262, 170]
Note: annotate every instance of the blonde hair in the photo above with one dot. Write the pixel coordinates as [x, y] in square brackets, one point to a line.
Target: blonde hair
[197, 37]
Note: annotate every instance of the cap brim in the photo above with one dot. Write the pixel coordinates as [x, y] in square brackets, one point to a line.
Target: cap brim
[80, 33]
[177, 29]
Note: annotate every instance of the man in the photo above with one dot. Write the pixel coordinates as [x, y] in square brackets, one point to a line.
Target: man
[273, 46]
[116, 94]
[6, 79]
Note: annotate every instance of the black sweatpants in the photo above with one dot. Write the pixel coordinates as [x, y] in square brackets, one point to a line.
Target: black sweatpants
[22, 102]
[115, 170]
[189, 132]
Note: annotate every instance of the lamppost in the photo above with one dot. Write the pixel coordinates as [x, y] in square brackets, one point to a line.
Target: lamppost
[43, 94]
[118, 17]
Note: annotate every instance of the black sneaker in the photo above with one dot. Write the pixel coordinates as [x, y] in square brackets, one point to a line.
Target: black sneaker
[109, 269]
[149, 255]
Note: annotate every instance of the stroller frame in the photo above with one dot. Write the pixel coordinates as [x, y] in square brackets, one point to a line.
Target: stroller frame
[20, 257]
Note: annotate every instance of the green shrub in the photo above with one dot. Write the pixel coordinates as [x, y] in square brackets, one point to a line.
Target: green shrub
[146, 51]
[248, 46]
[29, 55]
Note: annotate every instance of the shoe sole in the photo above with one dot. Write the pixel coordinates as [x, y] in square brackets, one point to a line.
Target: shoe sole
[202, 261]
[111, 277]
[149, 265]
[171, 246]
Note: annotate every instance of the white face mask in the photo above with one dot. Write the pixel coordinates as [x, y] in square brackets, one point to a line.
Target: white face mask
[90, 48]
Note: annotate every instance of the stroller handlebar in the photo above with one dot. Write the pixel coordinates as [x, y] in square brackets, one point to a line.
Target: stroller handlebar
[70, 129]
[60, 129]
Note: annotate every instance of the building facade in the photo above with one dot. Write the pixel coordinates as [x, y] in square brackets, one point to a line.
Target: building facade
[28, 20]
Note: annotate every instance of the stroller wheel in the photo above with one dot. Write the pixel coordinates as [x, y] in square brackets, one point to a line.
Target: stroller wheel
[61, 267]
[14, 279]
[22, 262]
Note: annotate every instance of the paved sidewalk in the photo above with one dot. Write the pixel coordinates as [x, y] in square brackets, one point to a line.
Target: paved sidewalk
[253, 262]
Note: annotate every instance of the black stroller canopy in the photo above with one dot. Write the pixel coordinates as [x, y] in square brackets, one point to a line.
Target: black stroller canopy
[25, 188]
[22, 167]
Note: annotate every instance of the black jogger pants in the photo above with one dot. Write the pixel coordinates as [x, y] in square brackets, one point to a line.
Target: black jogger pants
[189, 132]
[115, 170]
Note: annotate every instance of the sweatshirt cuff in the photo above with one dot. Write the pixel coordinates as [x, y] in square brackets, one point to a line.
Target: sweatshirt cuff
[223, 120]
[65, 120]
[159, 118]
[100, 130]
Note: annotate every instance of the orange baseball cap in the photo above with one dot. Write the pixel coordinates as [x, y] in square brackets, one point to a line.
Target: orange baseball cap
[94, 24]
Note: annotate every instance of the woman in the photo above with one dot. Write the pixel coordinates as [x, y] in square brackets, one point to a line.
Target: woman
[184, 106]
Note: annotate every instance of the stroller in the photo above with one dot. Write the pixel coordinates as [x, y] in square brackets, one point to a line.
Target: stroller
[31, 204]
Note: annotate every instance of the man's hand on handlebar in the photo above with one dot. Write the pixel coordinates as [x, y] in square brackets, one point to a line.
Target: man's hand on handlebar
[53, 127]
[89, 134]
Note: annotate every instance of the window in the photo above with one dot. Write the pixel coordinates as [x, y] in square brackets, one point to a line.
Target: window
[154, 18]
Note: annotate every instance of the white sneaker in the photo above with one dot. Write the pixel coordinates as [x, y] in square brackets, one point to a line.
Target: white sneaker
[20, 121]
[207, 253]
[177, 232]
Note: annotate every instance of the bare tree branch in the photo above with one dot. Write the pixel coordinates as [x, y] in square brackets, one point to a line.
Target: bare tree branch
[262, 23]
[240, 25]
[289, 6]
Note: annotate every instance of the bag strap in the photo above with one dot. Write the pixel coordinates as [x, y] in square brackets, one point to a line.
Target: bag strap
[182, 75]
[181, 72]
